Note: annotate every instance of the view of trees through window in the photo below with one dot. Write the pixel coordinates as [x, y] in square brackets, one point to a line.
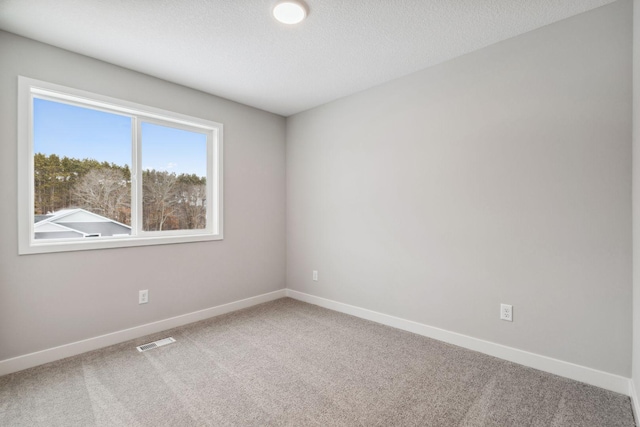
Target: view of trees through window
[63, 182]
[170, 201]
[83, 160]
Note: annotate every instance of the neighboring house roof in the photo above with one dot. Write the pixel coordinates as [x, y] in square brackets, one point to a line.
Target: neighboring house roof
[50, 230]
[38, 218]
[79, 223]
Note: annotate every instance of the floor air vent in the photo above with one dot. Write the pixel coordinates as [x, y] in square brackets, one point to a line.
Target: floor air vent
[155, 344]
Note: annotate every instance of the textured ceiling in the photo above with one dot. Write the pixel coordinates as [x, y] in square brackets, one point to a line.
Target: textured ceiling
[235, 49]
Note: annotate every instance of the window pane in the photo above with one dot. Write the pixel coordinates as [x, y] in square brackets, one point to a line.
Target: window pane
[82, 179]
[174, 171]
[77, 159]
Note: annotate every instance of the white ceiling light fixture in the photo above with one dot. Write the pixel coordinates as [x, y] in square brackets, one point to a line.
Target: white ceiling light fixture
[290, 11]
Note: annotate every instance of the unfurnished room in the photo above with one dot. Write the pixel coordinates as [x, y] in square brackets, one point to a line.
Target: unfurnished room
[320, 213]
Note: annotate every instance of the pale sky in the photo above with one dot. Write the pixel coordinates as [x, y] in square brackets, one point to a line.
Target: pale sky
[67, 130]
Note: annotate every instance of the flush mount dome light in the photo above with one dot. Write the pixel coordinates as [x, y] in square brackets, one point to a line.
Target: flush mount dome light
[290, 11]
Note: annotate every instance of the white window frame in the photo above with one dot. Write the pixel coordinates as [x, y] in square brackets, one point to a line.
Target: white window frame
[28, 89]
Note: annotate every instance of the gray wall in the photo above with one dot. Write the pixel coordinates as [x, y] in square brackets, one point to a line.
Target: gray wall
[636, 195]
[52, 299]
[503, 176]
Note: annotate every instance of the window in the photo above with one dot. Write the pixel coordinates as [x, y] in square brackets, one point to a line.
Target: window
[97, 172]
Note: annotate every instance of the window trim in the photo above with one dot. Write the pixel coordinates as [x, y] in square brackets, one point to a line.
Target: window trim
[29, 88]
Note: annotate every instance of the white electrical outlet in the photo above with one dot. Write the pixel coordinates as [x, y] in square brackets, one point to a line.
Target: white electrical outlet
[143, 296]
[315, 275]
[506, 312]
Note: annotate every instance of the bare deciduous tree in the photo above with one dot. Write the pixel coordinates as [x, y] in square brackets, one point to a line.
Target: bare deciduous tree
[105, 192]
[192, 212]
[158, 200]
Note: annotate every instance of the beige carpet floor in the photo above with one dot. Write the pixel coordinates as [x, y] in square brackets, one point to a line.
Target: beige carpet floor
[295, 364]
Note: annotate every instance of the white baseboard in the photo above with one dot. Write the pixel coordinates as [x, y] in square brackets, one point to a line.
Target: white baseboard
[583, 374]
[634, 401]
[49, 355]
